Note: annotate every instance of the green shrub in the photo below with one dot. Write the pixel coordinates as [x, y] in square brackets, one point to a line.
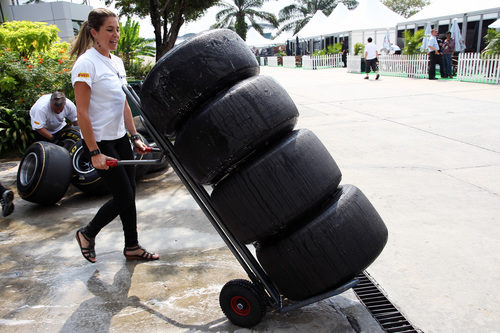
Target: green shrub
[15, 130]
[319, 53]
[493, 40]
[138, 69]
[359, 49]
[28, 38]
[335, 48]
[413, 42]
[25, 75]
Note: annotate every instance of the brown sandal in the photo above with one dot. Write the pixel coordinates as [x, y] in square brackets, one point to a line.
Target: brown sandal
[87, 252]
[145, 255]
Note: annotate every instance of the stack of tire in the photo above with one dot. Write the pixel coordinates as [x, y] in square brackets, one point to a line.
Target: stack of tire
[47, 169]
[273, 186]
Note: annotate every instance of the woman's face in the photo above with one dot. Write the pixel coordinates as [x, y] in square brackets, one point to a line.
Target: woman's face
[106, 39]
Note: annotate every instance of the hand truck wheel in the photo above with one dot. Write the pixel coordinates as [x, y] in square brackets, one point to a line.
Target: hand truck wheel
[242, 302]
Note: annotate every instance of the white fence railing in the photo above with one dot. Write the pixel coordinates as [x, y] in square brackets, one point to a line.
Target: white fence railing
[262, 61]
[474, 67]
[353, 64]
[272, 61]
[323, 61]
[289, 61]
[414, 66]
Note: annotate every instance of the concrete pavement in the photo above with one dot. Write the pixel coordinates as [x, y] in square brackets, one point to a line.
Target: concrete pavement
[427, 155]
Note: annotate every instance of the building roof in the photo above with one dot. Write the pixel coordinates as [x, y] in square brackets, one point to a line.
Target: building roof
[452, 8]
[254, 38]
[315, 27]
[369, 14]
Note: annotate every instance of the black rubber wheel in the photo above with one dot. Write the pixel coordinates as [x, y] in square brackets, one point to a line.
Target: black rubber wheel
[44, 173]
[242, 302]
[236, 123]
[275, 190]
[193, 72]
[85, 176]
[67, 138]
[341, 241]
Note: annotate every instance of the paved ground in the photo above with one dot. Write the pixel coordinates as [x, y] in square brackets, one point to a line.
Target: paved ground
[427, 155]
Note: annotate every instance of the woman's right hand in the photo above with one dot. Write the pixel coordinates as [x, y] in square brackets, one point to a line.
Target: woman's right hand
[99, 161]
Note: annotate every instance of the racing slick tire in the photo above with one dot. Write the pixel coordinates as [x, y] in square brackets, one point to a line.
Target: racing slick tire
[236, 123]
[275, 190]
[44, 173]
[344, 238]
[193, 72]
[85, 176]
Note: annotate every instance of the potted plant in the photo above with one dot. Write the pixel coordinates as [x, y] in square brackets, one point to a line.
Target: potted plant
[359, 49]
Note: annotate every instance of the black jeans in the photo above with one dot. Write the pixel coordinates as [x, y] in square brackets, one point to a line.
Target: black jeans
[121, 182]
[371, 64]
[433, 60]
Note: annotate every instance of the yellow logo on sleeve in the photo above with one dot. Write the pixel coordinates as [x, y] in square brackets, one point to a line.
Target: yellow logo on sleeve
[36, 122]
[83, 75]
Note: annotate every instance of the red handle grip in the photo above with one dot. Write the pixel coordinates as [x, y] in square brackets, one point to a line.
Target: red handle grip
[112, 163]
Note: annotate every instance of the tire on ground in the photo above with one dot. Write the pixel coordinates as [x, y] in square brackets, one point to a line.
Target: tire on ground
[273, 191]
[85, 176]
[44, 173]
[67, 138]
[340, 242]
[234, 124]
[193, 72]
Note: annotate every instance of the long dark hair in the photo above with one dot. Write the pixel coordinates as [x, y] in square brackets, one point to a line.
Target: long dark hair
[95, 20]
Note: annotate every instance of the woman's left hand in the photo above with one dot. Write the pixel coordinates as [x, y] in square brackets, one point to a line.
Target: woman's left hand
[140, 147]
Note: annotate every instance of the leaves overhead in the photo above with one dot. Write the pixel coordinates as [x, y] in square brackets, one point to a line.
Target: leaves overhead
[167, 16]
[295, 16]
[406, 8]
[234, 16]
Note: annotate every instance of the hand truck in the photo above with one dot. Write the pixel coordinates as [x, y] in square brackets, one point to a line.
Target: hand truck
[243, 302]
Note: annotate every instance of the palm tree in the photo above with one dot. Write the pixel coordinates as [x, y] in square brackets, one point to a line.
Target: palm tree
[233, 16]
[131, 45]
[297, 15]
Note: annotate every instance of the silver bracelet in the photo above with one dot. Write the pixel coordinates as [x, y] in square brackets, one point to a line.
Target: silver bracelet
[135, 137]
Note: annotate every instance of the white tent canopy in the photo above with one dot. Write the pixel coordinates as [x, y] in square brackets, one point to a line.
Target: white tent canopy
[283, 37]
[495, 25]
[315, 27]
[369, 14]
[255, 39]
[338, 15]
[441, 8]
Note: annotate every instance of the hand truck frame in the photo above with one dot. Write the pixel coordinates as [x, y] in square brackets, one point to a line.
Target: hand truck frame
[239, 305]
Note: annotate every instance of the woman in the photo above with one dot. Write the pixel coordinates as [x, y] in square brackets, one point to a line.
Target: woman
[104, 117]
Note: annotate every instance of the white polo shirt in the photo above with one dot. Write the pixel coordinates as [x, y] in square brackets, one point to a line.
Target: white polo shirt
[371, 51]
[42, 116]
[105, 77]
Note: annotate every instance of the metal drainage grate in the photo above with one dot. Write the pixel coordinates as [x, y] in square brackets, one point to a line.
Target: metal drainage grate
[387, 315]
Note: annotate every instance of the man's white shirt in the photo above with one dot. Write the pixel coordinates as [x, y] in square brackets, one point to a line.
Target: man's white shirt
[371, 50]
[42, 115]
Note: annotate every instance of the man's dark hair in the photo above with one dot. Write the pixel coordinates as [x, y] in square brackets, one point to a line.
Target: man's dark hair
[369, 39]
[58, 99]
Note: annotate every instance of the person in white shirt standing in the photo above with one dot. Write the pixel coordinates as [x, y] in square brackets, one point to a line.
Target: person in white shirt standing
[433, 51]
[371, 55]
[49, 114]
[105, 116]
